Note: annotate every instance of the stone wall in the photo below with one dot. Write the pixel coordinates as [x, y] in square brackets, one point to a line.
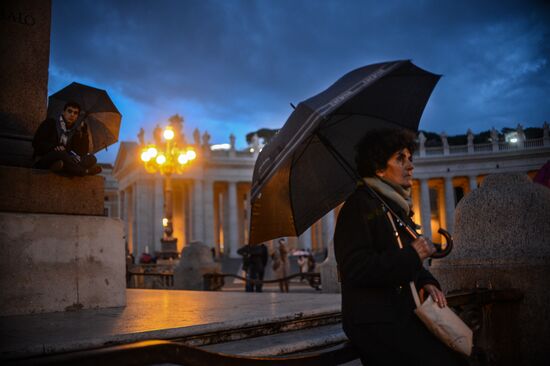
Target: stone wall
[60, 263]
[502, 240]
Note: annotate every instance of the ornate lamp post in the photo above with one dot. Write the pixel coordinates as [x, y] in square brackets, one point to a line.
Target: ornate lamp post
[167, 158]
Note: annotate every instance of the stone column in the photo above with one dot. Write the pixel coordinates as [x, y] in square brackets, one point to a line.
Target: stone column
[25, 44]
[425, 209]
[158, 211]
[449, 203]
[198, 211]
[304, 240]
[233, 234]
[208, 200]
[473, 182]
[327, 228]
[546, 134]
[143, 216]
[248, 211]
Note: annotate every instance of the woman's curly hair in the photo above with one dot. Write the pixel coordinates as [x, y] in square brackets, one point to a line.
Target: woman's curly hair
[377, 146]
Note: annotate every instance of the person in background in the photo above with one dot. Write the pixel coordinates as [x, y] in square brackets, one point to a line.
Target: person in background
[281, 265]
[254, 260]
[62, 145]
[302, 266]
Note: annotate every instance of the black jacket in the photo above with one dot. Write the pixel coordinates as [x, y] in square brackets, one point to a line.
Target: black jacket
[377, 304]
[254, 257]
[46, 139]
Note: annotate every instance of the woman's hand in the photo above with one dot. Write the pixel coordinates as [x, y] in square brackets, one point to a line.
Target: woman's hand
[423, 247]
[437, 295]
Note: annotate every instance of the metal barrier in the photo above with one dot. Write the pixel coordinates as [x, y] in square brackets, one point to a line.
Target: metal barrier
[215, 281]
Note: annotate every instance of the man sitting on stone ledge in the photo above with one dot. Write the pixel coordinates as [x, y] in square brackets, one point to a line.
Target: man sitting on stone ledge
[62, 145]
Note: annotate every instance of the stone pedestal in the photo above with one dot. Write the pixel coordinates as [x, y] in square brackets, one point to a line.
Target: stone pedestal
[168, 248]
[60, 262]
[196, 260]
[502, 240]
[39, 191]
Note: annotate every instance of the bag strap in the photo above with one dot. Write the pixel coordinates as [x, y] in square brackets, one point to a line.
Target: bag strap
[413, 287]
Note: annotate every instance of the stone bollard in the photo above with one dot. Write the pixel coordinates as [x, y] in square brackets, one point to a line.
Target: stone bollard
[502, 240]
[329, 272]
[196, 260]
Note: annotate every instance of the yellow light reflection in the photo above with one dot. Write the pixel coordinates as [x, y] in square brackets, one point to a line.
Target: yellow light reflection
[164, 222]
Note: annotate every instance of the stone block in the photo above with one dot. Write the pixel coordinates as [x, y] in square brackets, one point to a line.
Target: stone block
[196, 260]
[329, 272]
[39, 191]
[502, 240]
[60, 262]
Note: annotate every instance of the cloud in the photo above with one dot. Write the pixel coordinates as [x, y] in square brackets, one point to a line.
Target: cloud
[232, 66]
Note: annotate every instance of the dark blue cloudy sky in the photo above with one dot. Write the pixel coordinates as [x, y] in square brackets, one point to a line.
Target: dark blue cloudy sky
[234, 66]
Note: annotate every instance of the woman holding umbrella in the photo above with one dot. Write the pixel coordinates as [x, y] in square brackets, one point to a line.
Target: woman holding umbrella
[377, 304]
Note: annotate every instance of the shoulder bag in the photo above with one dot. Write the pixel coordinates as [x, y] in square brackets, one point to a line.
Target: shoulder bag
[442, 322]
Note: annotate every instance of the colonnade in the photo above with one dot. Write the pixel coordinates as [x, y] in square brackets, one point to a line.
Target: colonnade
[211, 201]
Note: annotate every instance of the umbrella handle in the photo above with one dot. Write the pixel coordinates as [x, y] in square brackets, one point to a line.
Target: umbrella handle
[440, 252]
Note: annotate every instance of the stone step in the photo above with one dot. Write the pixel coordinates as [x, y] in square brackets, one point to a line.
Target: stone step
[283, 343]
[262, 329]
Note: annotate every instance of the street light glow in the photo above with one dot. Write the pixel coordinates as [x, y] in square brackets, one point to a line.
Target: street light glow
[191, 155]
[161, 159]
[145, 156]
[152, 151]
[182, 159]
[168, 133]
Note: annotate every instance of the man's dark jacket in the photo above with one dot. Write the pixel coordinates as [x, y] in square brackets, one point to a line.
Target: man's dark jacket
[46, 139]
[377, 304]
[254, 257]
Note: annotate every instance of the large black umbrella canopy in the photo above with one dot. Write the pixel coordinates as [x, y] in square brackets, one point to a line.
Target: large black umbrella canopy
[308, 168]
[98, 111]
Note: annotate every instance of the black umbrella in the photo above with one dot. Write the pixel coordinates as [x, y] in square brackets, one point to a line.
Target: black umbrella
[308, 168]
[98, 111]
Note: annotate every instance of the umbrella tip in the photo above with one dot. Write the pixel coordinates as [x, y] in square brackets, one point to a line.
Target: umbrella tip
[293, 106]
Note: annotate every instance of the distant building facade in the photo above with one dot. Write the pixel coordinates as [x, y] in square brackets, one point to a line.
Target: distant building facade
[211, 198]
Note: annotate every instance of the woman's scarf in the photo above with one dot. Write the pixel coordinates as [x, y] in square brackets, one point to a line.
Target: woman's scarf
[396, 193]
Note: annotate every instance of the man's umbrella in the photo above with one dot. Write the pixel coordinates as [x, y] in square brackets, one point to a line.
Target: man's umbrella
[97, 110]
[308, 168]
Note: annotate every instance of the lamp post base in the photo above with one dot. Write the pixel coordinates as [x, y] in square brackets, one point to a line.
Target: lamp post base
[169, 248]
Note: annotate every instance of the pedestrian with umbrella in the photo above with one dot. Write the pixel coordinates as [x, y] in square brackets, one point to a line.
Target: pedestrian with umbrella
[312, 165]
[81, 121]
[62, 144]
[378, 258]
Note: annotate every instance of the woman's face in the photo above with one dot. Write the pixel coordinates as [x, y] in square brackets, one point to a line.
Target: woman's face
[399, 169]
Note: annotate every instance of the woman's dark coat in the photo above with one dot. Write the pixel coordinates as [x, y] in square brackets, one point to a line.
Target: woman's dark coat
[377, 304]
